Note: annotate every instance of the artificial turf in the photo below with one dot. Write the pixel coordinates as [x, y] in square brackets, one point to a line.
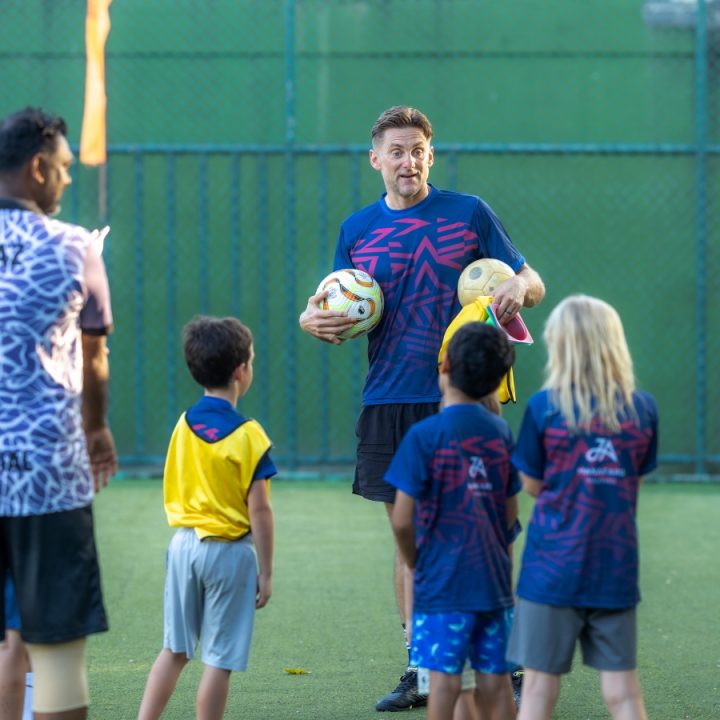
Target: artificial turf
[333, 612]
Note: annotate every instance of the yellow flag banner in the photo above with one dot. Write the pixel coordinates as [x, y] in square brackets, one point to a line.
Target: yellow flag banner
[93, 136]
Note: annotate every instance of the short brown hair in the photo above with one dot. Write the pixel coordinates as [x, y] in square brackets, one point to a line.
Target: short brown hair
[479, 355]
[401, 116]
[214, 347]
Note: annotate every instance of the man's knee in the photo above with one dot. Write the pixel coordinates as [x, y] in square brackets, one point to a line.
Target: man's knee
[60, 676]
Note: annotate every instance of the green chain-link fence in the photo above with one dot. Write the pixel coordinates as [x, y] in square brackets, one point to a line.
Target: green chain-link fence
[238, 133]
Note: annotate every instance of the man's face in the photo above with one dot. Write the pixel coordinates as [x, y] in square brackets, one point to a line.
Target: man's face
[53, 176]
[403, 156]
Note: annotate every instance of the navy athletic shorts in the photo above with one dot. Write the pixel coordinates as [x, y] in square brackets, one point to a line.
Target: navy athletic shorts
[54, 566]
[379, 430]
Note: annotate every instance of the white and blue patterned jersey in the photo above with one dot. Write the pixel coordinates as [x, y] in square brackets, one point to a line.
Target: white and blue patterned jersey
[53, 287]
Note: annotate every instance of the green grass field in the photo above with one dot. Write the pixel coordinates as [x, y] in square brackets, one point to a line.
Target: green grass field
[333, 611]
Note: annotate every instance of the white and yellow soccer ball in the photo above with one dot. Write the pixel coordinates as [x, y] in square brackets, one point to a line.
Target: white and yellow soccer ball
[481, 278]
[356, 293]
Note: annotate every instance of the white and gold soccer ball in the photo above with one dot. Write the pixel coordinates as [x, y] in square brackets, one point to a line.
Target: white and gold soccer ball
[356, 293]
[481, 278]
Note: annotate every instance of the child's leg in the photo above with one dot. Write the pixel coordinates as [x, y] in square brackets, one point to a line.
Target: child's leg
[622, 694]
[539, 695]
[444, 691]
[13, 665]
[494, 697]
[465, 707]
[212, 693]
[161, 683]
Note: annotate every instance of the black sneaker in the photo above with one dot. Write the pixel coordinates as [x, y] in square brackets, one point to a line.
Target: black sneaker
[517, 680]
[404, 696]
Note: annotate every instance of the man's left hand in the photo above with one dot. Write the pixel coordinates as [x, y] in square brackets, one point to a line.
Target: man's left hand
[509, 297]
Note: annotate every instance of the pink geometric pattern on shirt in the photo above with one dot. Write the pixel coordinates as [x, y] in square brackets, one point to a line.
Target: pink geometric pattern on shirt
[598, 529]
[417, 263]
[209, 432]
[451, 469]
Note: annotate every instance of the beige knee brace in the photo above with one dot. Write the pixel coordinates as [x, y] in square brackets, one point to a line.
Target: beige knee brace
[60, 676]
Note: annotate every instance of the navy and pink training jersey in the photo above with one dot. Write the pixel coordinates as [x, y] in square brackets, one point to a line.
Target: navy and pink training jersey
[417, 256]
[456, 465]
[581, 548]
[53, 287]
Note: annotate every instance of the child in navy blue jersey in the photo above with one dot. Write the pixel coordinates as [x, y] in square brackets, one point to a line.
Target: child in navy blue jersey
[455, 507]
[586, 440]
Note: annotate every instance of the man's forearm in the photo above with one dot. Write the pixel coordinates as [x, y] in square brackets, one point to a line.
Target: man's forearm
[96, 376]
[535, 287]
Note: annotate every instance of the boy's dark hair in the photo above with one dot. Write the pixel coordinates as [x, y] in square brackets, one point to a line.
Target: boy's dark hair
[401, 116]
[479, 355]
[26, 133]
[214, 347]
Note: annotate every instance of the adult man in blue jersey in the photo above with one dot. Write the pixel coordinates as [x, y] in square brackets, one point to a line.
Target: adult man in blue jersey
[56, 448]
[415, 241]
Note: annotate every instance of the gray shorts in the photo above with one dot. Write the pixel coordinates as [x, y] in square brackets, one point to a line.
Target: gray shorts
[210, 591]
[543, 637]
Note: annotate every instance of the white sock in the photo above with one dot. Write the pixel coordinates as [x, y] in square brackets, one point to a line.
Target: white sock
[27, 712]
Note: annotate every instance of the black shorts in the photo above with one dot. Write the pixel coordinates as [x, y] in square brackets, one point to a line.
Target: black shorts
[53, 562]
[379, 430]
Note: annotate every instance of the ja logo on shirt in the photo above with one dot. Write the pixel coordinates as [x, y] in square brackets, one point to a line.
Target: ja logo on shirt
[603, 450]
[477, 467]
[477, 473]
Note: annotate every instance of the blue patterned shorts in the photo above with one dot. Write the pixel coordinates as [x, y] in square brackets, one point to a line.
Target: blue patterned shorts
[443, 641]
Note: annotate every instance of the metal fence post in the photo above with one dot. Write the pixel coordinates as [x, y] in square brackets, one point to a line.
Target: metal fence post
[701, 99]
[290, 230]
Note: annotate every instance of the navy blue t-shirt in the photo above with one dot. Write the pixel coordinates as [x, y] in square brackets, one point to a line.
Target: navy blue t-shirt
[417, 256]
[456, 465]
[581, 548]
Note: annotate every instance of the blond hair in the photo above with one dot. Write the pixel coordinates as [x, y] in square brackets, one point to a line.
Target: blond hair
[589, 370]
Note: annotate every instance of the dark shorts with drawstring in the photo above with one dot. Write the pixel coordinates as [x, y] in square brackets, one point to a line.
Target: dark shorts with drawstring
[379, 430]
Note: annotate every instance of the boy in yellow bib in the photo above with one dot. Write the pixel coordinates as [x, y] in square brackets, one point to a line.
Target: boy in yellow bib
[216, 492]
